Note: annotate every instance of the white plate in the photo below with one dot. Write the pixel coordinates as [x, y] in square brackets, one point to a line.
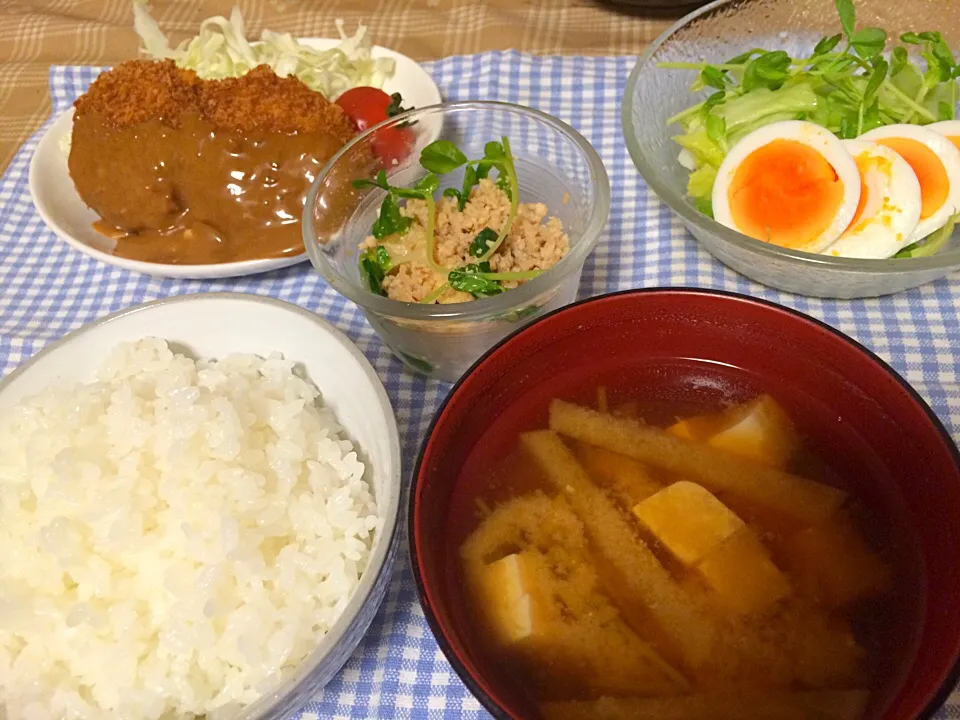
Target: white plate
[204, 325]
[65, 213]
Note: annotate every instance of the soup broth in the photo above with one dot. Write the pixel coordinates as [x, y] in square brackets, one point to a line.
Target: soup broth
[655, 544]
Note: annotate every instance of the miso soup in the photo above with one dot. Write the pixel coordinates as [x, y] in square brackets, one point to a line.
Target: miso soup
[626, 556]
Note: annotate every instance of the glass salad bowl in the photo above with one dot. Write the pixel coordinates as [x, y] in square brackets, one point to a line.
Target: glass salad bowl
[723, 30]
[554, 165]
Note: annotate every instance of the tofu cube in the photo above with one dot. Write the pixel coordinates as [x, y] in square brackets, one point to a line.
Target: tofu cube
[742, 574]
[515, 604]
[834, 564]
[760, 430]
[688, 520]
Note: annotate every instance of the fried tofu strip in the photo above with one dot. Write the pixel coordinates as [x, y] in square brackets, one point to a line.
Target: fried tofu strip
[834, 564]
[743, 576]
[622, 475]
[790, 496]
[829, 705]
[652, 602]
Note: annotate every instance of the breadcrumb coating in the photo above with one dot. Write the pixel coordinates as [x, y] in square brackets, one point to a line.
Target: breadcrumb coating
[140, 90]
[259, 101]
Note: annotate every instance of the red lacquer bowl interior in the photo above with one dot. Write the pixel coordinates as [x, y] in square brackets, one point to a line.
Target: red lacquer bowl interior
[681, 345]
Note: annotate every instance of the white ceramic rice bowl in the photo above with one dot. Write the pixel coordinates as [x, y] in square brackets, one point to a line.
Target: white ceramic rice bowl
[218, 324]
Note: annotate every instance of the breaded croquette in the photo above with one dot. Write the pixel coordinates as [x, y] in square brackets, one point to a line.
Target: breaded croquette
[189, 171]
[140, 90]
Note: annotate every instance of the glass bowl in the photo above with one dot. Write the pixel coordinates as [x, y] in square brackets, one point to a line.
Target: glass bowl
[555, 165]
[725, 29]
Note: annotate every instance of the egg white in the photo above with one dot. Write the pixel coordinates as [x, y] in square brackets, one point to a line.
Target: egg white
[891, 209]
[948, 128]
[814, 136]
[687, 160]
[949, 156]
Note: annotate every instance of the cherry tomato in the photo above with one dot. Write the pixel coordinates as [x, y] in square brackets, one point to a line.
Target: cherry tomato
[392, 145]
[367, 106]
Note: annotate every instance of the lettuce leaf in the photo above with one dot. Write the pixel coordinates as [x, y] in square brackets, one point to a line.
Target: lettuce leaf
[762, 106]
[700, 183]
[741, 115]
[932, 243]
[704, 150]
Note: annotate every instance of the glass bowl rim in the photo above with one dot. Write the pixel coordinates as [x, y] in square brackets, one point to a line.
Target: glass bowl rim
[482, 308]
[690, 216]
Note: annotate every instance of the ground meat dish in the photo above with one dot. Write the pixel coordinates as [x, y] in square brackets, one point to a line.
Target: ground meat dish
[189, 171]
[535, 242]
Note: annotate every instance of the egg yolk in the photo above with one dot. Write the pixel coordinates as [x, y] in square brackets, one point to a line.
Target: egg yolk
[934, 183]
[785, 193]
[955, 139]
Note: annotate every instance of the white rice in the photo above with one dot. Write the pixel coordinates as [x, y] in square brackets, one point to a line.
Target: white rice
[173, 537]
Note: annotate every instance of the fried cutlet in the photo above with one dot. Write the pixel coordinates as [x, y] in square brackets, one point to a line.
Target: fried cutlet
[260, 101]
[141, 90]
[190, 171]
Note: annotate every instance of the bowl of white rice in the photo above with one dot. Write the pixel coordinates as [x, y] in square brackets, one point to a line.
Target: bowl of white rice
[198, 513]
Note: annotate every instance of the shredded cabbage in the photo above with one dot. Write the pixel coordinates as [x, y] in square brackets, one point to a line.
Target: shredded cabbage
[222, 50]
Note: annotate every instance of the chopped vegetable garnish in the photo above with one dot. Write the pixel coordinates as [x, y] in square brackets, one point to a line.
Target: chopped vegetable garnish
[390, 222]
[374, 265]
[442, 157]
[481, 243]
[475, 276]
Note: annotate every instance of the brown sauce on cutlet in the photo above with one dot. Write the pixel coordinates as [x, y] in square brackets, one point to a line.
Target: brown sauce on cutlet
[188, 171]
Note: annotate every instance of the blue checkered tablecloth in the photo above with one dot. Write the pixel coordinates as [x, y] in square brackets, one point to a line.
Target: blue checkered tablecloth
[48, 289]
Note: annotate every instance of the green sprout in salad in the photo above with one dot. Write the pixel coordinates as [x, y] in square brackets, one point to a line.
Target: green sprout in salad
[440, 158]
[374, 266]
[481, 243]
[443, 157]
[845, 85]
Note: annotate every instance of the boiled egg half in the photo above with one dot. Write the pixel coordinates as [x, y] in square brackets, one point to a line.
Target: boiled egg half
[935, 161]
[889, 207]
[949, 129]
[790, 183]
